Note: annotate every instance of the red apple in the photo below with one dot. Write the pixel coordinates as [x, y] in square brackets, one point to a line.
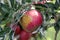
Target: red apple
[24, 35]
[31, 20]
[16, 29]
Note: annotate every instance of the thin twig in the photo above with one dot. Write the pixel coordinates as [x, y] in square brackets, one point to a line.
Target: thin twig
[55, 38]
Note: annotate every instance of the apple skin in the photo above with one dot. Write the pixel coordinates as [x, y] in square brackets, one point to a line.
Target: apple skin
[16, 29]
[31, 20]
[24, 35]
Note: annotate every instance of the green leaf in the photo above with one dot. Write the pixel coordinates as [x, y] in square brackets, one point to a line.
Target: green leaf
[4, 7]
[58, 1]
[14, 5]
[50, 5]
[29, 1]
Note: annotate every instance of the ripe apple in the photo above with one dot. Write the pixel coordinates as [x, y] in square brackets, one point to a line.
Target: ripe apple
[31, 20]
[24, 35]
[16, 29]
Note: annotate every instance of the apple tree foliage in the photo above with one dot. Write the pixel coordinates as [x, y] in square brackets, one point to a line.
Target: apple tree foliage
[8, 8]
